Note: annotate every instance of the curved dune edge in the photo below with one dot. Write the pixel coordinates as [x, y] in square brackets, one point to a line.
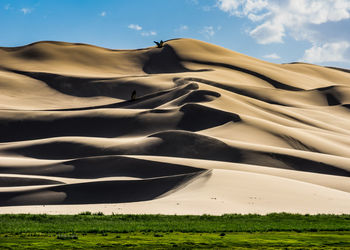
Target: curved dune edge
[215, 193]
[211, 131]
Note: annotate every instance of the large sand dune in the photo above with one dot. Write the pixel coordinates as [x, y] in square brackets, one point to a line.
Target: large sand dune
[211, 131]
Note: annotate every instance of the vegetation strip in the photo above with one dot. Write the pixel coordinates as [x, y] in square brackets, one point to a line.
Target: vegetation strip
[257, 240]
[99, 223]
[87, 231]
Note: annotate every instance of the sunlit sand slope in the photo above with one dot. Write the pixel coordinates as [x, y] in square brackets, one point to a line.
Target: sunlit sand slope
[210, 131]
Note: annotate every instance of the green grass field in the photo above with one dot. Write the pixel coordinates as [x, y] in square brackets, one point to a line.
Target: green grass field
[161, 231]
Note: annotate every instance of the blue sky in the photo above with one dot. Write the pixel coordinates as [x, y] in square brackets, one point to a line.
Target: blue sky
[281, 31]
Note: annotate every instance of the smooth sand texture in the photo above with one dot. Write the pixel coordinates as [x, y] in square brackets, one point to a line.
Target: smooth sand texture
[211, 131]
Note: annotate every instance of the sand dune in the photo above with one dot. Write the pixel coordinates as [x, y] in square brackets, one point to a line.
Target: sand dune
[210, 131]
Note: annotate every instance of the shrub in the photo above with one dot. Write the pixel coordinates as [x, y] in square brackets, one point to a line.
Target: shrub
[67, 237]
[98, 214]
[85, 213]
[159, 44]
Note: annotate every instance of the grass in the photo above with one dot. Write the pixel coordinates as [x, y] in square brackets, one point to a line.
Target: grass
[259, 240]
[162, 231]
[96, 223]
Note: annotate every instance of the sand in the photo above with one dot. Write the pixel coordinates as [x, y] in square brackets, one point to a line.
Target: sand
[211, 131]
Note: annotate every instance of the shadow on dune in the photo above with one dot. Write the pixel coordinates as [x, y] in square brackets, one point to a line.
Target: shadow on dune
[157, 99]
[190, 116]
[201, 96]
[93, 126]
[197, 117]
[98, 192]
[241, 91]
[173, 143]
[103, 166]
[191, 145]
[332, 94]
[165, 60]
[274, 83]
[340, 69]
[119, 87]
[25, 181]
[151, 100]
[284, 161]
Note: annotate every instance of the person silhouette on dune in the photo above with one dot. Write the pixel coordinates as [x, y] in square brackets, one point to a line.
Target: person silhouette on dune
[133, 95]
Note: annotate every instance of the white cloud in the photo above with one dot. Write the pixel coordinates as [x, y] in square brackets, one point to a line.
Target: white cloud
[139, 28]
[328, 52]
[208, 31]
[182, 28]
[26, 11]
[257, 18]
[149, 33]
[242, 7]
[135, 27]
[268, 32]
[229, 6]
[103, 13]
[272, 56]
[277, 18]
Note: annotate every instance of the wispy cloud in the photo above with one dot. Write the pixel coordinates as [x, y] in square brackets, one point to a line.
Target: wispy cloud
[7, 6]
[328, 52]
[26, 10]
[103, 13]
[134, 27]
[272, 56]
[139, 28]
[182, 28]
[208, 31]
[149, 33]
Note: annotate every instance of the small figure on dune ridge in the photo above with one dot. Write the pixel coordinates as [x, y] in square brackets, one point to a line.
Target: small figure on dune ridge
[159, 44]
[133, 95]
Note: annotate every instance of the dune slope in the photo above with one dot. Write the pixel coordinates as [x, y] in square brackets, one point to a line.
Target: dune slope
[210, 131]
